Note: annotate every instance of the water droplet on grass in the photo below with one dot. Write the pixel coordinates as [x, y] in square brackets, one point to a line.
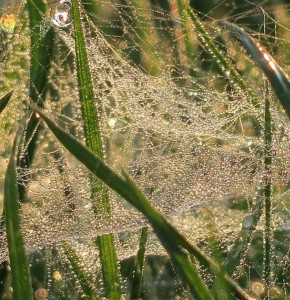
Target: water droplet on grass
[62, 14]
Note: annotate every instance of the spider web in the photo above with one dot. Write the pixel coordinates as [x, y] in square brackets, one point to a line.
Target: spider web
[190, 139]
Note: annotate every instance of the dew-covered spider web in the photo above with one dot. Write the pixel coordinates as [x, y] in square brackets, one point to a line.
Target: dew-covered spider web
[190, 137]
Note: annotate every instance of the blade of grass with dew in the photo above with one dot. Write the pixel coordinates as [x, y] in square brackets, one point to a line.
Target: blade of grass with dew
[4, 274]
[108, 256]
[4, 101]
[21, 281]
[172, 240]
[41, 49]
[268, 234]
[170, 37]
[226, 67]
[241, 243]
[84, 281]
[139, 266]
[276, 76]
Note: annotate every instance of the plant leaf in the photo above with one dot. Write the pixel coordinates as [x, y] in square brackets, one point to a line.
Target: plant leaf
[276, 76]
[91, 126]
[139, 265]
[21, 282]
[79, 271]
[4, 101]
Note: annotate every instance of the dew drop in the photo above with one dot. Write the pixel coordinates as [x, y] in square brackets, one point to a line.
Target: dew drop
[62, 14]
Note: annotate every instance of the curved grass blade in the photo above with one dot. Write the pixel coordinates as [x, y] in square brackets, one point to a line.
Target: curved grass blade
[21, 282]
[79, 271]
[4, 101]
[139, 265]
[276, 76]
[91, 125]
[171, 239]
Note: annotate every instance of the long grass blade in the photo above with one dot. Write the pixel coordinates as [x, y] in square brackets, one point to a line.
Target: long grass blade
[85, 282]
[268, 159]
[276, 76]
[139, 265]
[127, 189]
[21, 282]
[5, 100]
[171, 239]
[91, 124]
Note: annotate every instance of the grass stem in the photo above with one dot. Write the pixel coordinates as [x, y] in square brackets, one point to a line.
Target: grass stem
[267, 188]
[92, 132]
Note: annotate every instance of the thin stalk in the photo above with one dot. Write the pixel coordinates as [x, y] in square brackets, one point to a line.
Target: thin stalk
[139, 265]
[85, 281]
[21, 281]
[267, 188]
[92, 132]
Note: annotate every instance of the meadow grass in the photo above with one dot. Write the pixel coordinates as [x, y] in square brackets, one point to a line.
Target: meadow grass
[202, 274]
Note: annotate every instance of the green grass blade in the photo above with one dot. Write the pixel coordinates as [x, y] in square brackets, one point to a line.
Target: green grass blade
[85, 282]
[4, 101]
[139, 265]
[268, 159]
[41, 51]
[21, 282]
[91, 125]
[276, 76]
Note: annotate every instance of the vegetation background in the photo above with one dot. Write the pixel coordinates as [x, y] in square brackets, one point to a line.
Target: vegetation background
[166, 104]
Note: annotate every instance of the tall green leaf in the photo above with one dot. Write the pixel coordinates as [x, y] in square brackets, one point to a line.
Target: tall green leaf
[84, 280]
[139, 265]
[21, 282]
[91, 124]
